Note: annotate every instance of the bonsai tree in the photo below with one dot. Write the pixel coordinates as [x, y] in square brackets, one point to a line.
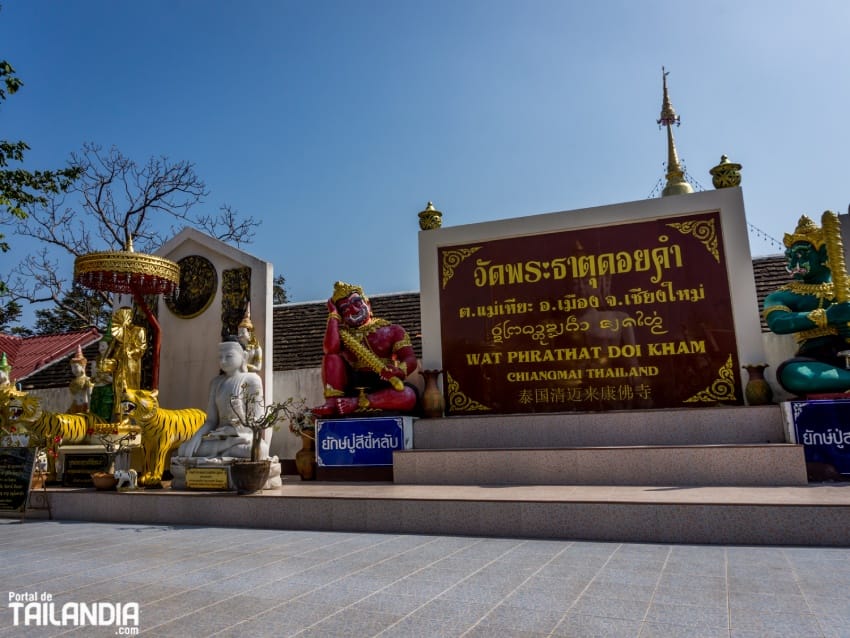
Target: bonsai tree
[259, 418]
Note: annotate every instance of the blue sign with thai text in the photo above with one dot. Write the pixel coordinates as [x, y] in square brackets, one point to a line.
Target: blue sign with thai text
[823, 429]
[352, 442]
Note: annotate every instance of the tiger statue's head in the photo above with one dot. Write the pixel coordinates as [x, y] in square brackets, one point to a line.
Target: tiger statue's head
[22, 408]
[139, 405]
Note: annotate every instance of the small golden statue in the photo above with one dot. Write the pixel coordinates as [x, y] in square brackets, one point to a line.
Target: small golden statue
[246, 336]
[129, 344]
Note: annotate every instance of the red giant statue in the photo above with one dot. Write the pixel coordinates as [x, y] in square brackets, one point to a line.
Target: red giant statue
[366, 359]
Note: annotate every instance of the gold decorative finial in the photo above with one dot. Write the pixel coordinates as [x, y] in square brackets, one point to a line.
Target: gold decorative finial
[430, 218]
[676, 183]
[726, 174]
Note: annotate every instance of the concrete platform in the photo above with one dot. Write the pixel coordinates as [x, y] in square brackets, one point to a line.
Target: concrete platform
[669, 465]
[728, 425]
[815, 515]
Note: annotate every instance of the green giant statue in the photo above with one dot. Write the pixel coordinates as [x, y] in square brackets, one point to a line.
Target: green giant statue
[813, 307]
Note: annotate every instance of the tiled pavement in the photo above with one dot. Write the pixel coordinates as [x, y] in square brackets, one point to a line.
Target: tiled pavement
[198, 581]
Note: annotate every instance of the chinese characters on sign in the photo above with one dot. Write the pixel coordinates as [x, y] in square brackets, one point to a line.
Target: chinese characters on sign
[631, 316]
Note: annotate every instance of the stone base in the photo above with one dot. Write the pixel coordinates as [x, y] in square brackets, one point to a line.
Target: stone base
[180, 464]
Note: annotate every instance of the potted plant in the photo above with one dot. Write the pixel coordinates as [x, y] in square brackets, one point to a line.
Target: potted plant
[250, 475]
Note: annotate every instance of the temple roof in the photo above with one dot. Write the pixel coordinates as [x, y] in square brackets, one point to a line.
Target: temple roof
[770, 274]
[29, 356]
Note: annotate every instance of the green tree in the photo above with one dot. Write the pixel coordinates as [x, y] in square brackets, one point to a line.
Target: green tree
[11, 313]
[80, 309]
[279, 292]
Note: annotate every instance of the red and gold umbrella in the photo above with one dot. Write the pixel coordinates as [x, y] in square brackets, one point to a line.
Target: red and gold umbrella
[139, 274]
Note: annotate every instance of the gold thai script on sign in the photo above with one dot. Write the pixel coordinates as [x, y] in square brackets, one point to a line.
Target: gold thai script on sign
[654, 260]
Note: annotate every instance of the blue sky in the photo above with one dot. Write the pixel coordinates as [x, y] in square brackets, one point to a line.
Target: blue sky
[335, 122]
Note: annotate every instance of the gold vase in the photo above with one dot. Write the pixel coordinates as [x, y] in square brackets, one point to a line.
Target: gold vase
[305, 458]
[433, 403]
[757, 390]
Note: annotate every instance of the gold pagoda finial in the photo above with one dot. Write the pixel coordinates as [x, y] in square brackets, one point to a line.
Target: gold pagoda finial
[430, 218]
[676, 183]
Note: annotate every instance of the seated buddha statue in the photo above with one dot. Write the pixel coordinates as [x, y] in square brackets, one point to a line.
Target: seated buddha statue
[233, 394]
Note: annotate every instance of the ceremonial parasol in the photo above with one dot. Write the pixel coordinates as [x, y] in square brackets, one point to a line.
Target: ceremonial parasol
[139, 274]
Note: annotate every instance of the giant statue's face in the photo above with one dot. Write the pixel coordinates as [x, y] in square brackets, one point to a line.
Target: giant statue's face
[805, 263]
[354, 310]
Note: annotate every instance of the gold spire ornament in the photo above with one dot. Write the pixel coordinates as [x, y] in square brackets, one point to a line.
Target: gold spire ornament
[676, 183]
[430, 218]
[726, 174]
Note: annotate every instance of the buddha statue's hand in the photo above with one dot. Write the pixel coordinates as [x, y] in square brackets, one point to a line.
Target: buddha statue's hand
[222, 432]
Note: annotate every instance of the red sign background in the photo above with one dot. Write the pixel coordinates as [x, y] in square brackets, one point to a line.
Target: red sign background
[631, 316]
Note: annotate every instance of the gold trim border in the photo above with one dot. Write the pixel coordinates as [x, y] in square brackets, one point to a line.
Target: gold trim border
[721, 389]
[458, 401]
[703, 231]
[454, 258]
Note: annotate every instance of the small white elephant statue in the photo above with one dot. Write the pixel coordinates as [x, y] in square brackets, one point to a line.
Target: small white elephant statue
[126, 479]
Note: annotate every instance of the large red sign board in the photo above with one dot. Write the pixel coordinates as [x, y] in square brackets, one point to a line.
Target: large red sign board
[632, 316]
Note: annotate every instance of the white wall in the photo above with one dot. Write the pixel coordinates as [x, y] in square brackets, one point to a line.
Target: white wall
[305, 383]
[189, 357]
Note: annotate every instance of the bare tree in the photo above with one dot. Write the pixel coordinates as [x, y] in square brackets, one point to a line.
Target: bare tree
[115, 200]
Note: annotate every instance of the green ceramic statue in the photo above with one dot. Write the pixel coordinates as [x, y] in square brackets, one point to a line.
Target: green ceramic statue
[813, 307]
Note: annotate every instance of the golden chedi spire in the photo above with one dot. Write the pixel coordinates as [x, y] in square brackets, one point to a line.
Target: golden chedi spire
[676, 183]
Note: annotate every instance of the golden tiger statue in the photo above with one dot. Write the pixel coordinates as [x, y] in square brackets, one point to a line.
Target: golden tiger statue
[26, 415]
[162, 430]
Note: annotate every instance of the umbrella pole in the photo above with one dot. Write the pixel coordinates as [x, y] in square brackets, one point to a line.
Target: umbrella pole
[157, 339]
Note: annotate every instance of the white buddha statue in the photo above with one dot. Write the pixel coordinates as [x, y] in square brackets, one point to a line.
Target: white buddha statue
[236, 389]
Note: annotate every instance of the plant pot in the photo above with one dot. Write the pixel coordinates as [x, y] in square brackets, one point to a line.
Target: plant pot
[305, 458]
[250, 476]
[104, 480]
